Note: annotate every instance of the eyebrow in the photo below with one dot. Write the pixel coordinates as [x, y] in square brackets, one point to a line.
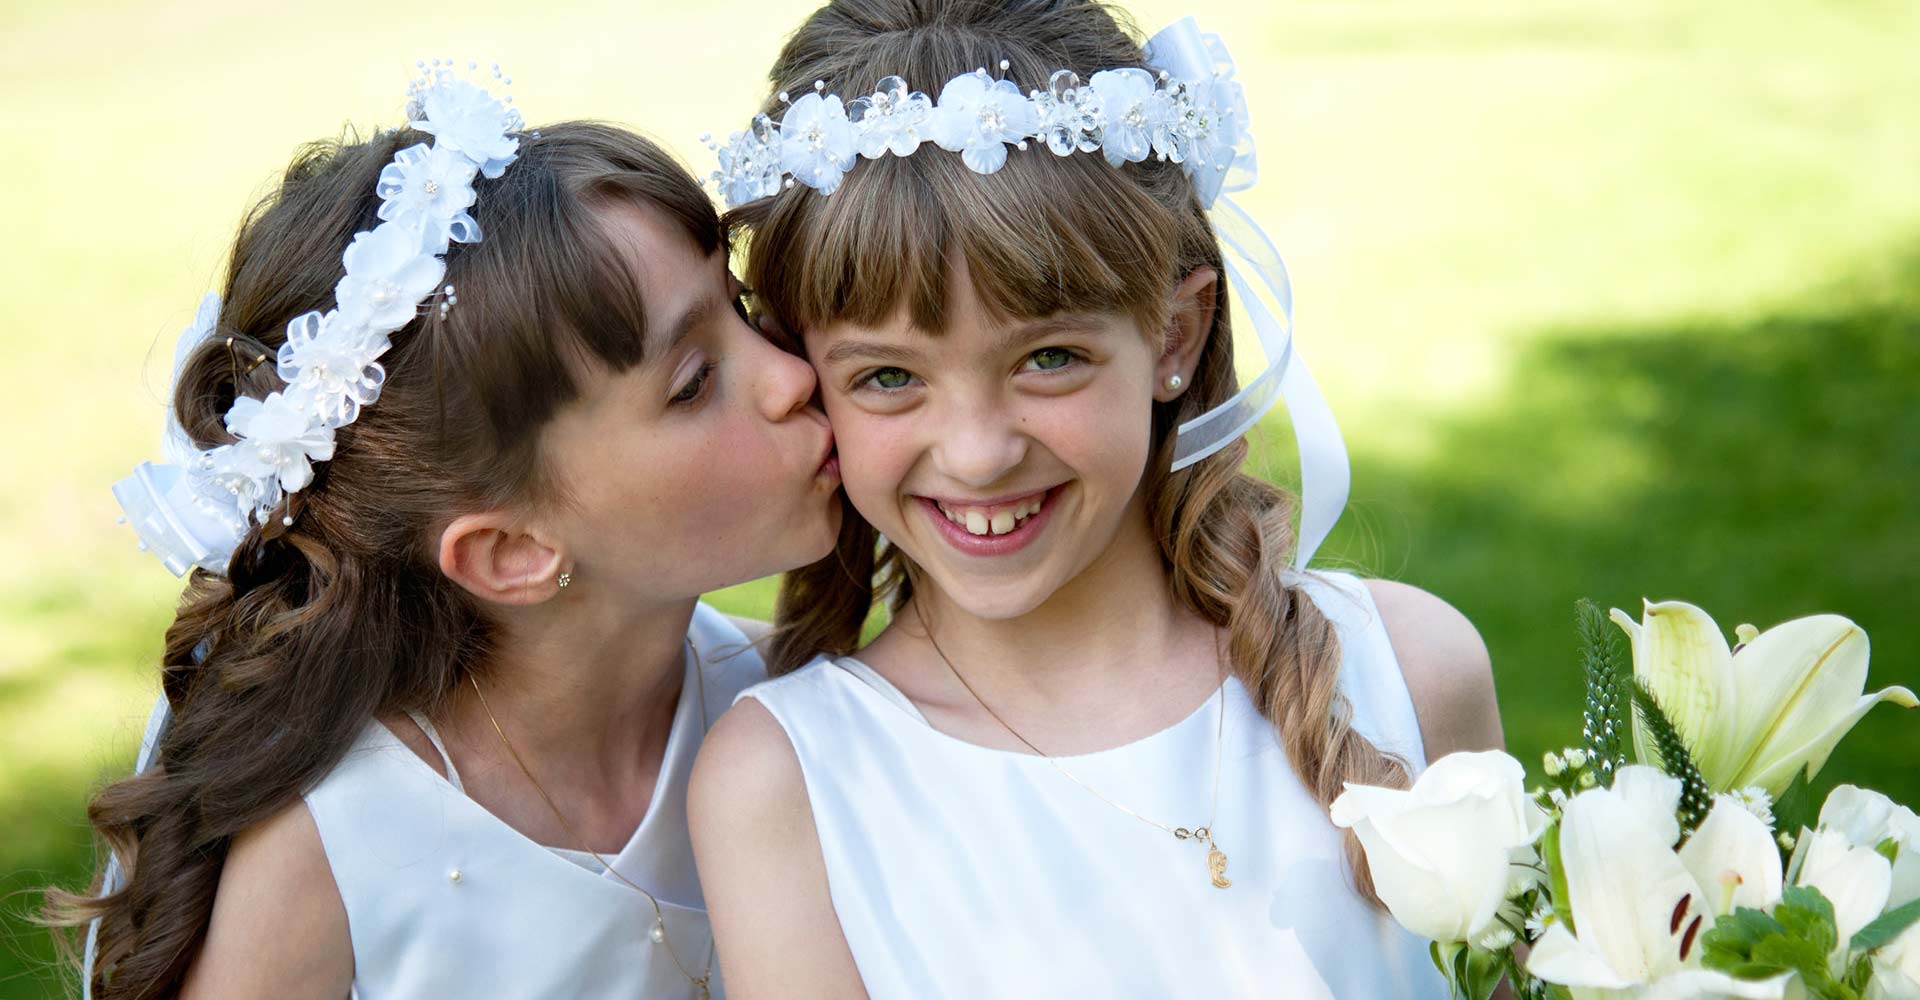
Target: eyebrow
[688, 321]
[1017, 337]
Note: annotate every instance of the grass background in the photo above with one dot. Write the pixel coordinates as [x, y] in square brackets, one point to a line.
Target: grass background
[1615, 299]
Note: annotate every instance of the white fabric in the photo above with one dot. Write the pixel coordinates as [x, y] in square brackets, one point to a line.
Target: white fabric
[967, 872]
[522, 921]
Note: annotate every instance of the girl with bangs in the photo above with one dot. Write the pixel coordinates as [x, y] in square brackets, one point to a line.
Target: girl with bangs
[1091, 752]
[434, 688]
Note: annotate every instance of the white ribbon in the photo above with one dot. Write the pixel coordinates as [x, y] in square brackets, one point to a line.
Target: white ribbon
[110, 882]
[1325, 474]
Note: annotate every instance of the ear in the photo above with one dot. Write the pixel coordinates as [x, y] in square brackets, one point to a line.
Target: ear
[1188, 324]
[499, 559]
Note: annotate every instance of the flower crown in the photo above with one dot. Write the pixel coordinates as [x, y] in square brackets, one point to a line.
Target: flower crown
[1190, 111]
[194, 509]
[1125, 114]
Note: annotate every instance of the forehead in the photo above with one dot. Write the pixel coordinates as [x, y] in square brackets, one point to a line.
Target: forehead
[674, 276]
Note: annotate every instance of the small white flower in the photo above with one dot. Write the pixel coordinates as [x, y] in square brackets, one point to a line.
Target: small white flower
[1552, 765]
[1755, 800]
[277, 435]
[431, 187]
[816, 142]
[750, 164]
[390, 269]
[334, 364]
[1496, 938]
[891, 120]
[466, 119]
[979, 117]
[1127, 113]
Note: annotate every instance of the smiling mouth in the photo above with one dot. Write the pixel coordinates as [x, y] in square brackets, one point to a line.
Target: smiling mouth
[1000, 518]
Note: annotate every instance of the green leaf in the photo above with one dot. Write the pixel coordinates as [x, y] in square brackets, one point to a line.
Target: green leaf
[1795, 808]
[1886, 927]
[1550, 854]
[1889, 849]
[1807, 916]
[1728, 946]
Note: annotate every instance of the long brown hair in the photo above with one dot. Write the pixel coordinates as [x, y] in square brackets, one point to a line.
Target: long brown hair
[273, 670]
[1042, 235]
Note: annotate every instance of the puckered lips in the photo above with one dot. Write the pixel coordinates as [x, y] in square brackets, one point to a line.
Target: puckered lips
[994, 526]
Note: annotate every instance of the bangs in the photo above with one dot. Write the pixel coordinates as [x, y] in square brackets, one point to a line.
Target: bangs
[1044, 234]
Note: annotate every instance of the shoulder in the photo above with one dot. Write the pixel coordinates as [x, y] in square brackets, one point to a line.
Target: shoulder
[276, 898]
[1448, 672]
[761, 868]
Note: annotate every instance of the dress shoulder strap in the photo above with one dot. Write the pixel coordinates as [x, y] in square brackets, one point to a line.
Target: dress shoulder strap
[440, 747]
[1370, 675]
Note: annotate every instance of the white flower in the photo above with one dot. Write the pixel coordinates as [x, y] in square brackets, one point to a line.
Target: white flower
[891, 120]
[390, 269]
[978, 117]
[1868, 819]
[1896, 968]
[1624, 886]
[334, 364]
[431, 187]
[816, 142]
[1766, 714]
[1214, 121]
[277, 435]
[1755, 800]
[1732, 858]
[1858, 881]
[1442, 852]
[1127, 113]
[750, 164]
[466, 119]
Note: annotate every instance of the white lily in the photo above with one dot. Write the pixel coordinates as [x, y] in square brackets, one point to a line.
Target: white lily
[1896, 968]
[1856, 880]
[1759, 717]
[1638, 908]
[1442, 853]
[1869, 819]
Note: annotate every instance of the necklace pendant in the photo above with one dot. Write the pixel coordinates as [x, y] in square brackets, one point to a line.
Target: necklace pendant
[1217, 867]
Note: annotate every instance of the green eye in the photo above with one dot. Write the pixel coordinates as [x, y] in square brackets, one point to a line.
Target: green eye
[1051, 358]
[890, 378]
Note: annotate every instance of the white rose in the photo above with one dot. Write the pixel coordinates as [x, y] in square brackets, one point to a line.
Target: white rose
[1867, 819]
[1441, 852]
[1896, 968]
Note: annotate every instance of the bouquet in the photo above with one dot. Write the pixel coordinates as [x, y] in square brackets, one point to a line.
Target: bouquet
[1676, 851]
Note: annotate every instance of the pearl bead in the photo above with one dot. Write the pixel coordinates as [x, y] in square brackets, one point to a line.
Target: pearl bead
[659, 932]
[455, 876]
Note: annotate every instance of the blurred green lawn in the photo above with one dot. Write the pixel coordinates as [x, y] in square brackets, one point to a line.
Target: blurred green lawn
[1614, 299]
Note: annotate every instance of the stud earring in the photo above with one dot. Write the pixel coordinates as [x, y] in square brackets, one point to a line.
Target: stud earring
[1174, 382]
[565, 580]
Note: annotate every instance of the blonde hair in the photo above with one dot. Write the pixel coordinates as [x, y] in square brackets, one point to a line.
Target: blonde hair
[1042, 235]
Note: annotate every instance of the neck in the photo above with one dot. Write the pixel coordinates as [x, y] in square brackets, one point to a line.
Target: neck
[585, 693]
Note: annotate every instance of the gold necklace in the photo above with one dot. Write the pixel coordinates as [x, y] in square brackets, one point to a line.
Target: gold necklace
[659, 933]
[1216, 858]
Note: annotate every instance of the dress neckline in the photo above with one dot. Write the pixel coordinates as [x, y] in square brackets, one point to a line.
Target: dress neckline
[899, 704]
[677, 735]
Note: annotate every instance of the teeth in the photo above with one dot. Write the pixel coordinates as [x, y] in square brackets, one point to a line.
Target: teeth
[1005, 520]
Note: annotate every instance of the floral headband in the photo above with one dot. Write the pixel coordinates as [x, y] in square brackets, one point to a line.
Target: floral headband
[1191, 112]
[194, 509]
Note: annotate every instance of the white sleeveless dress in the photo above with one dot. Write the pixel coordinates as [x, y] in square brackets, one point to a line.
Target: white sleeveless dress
[959, 871]
[519, 919]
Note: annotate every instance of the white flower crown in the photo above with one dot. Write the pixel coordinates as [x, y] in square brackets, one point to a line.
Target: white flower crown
[195, 509]
[1191, 112]
[1126, 114]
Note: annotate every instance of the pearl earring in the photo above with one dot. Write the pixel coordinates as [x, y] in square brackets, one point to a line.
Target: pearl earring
[565, 580]
[1174, 382]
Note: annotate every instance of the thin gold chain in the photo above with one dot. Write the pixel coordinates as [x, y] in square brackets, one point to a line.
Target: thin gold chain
[700, 982]
[1203, 834]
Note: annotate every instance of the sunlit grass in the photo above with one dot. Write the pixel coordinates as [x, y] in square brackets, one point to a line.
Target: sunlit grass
[1573, 275]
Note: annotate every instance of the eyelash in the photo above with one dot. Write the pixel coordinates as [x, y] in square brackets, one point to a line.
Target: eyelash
[866, 379]
[696, 386]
